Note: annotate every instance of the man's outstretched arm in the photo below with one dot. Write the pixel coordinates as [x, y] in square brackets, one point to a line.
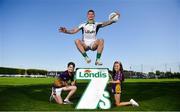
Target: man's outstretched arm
[106, 23]
[109, 22]
[64, 30]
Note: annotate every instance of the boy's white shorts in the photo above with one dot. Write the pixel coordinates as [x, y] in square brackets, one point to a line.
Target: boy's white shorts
[57, 91]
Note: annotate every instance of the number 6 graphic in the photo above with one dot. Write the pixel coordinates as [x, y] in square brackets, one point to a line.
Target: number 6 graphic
[95, 95]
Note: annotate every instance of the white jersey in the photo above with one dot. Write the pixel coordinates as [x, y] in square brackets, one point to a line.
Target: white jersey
[89, 31]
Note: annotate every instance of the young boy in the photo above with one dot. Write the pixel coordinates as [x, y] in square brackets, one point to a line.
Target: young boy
[61, 84]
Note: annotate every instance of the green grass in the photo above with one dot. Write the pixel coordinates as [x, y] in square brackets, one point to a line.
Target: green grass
[33, 94]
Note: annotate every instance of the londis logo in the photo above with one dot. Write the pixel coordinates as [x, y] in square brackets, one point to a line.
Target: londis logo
[90, 74]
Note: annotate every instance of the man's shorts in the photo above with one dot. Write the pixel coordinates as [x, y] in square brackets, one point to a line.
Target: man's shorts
[89, 43]
[116, 89]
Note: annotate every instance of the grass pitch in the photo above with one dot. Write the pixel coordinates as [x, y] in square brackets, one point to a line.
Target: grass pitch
[24, 94]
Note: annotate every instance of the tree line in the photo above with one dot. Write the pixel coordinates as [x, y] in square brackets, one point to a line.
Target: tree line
[157, 74]
[127, 74]
[5, 70]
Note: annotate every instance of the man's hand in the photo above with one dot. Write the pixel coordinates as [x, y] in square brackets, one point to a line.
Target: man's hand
[109, 22]
[62, 29]
[118, 13]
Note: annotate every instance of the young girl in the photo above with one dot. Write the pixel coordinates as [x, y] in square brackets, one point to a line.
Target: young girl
[118, 78]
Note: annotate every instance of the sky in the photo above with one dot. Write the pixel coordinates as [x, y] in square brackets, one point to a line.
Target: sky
[146, 37]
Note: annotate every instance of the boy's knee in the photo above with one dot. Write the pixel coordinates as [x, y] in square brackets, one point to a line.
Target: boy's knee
[74, 88]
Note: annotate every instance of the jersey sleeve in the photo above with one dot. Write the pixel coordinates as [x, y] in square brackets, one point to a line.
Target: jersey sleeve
[63, 76]
[80, 26]
[99, 24]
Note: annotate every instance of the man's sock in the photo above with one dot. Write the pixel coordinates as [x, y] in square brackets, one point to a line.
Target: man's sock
[84, 54]
[98, 56]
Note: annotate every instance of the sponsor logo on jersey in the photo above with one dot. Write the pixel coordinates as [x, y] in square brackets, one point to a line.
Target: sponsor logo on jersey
[90, 31]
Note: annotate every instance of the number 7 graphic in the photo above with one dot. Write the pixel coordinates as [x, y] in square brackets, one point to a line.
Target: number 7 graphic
[95, 95]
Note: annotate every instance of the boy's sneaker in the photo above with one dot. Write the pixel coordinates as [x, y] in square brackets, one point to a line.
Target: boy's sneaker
[51, 98]
[67, 102]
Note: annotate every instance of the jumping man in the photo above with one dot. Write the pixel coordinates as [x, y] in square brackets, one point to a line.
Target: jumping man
[89, 40]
